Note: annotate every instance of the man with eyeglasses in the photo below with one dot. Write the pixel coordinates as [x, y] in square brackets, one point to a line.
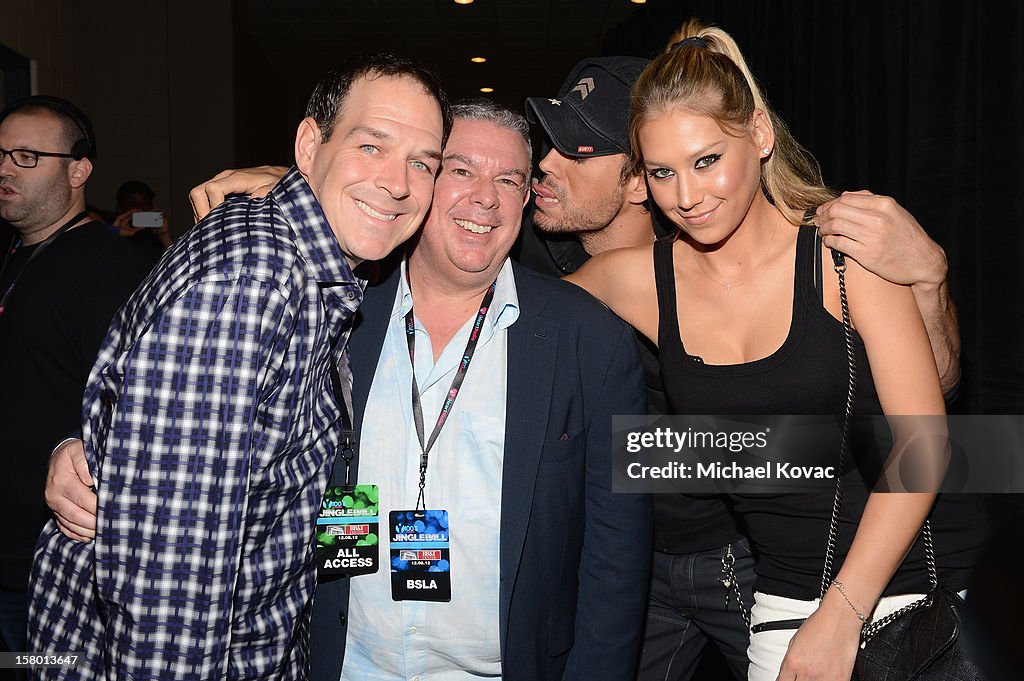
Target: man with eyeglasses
[63, 276]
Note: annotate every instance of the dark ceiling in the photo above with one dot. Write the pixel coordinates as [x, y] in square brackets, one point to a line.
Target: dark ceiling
[530, 45]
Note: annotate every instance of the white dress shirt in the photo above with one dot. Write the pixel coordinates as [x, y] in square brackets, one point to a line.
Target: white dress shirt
[429, 641]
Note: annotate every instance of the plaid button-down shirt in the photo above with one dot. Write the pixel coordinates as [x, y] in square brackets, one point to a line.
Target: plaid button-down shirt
[210, 425]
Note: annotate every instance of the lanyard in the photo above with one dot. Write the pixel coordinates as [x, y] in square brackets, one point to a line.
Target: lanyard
[16, 244]
[347, 443]
[453, 391]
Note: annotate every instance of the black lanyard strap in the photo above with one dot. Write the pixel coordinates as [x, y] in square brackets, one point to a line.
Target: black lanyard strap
[453, 391]
[347, 441]
[16, 244]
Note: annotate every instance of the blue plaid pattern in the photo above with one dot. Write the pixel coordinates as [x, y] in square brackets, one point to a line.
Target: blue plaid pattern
[210, 425]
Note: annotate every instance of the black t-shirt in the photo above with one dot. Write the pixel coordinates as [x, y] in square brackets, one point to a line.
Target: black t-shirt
[50, 331]
[147, 241]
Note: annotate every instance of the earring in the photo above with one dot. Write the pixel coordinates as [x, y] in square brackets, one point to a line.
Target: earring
[767, 150]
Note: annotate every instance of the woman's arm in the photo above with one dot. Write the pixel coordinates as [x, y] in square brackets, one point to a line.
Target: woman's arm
[887, 319]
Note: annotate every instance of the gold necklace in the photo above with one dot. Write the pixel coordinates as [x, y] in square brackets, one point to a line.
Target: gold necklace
[729, 286]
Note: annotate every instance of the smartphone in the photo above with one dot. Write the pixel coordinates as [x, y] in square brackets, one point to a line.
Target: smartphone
[152, 219]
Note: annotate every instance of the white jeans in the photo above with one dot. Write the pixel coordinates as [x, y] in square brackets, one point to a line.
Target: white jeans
[767, 648]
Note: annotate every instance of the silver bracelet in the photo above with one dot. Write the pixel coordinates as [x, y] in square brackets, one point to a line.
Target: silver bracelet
[842, 590]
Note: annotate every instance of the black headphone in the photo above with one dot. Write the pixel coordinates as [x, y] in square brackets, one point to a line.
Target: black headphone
[83, 148]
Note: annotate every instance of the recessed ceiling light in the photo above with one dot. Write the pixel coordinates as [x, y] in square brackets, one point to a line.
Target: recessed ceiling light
[487, 89]
[635, 2]
[463, 2]
[478, 60]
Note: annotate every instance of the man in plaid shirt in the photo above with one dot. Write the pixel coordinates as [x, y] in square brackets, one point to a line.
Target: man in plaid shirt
[210, 417]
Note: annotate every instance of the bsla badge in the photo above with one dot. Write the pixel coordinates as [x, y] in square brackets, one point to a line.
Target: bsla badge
[420, 555]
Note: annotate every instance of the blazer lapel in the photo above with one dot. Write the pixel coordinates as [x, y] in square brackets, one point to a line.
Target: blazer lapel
[531, 367]
[367, 342]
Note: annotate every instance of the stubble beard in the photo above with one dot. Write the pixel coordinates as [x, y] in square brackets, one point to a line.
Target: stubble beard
[576, 218]
[40, 208]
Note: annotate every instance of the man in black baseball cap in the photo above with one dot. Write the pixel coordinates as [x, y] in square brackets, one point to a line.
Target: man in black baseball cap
[588, 200]
[589, 118]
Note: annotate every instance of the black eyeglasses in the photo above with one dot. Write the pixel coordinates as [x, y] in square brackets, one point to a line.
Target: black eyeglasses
[28, 158]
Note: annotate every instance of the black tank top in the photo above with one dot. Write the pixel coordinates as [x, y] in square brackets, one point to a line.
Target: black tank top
[806, 375]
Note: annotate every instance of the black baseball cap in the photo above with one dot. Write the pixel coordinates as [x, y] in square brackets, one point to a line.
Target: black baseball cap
[590, 116]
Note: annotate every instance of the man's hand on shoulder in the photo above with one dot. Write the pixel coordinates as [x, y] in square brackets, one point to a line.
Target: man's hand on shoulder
[69, 492]
[887, 241]
[883, 237]
[255, 182]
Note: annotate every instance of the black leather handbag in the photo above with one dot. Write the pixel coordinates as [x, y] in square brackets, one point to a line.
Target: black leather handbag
[919, 642]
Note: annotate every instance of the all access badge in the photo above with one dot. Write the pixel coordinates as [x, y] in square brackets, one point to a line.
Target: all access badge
[347, 532]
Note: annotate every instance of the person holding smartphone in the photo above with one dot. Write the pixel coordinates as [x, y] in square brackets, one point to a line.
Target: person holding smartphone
[137, 218]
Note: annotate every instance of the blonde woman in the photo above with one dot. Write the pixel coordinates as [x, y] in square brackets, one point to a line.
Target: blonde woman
[744, 325]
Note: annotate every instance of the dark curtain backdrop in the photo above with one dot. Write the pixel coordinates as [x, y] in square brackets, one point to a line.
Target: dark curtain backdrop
[923, 101]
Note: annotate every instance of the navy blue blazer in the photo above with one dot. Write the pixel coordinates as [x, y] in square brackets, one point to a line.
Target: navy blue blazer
[574, 557]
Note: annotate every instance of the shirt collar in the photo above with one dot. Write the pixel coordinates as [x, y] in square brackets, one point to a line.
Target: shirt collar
[506, 298]
[314, 237]
[504, 309]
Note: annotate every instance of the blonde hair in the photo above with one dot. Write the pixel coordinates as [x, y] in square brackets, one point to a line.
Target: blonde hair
[708, 75]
